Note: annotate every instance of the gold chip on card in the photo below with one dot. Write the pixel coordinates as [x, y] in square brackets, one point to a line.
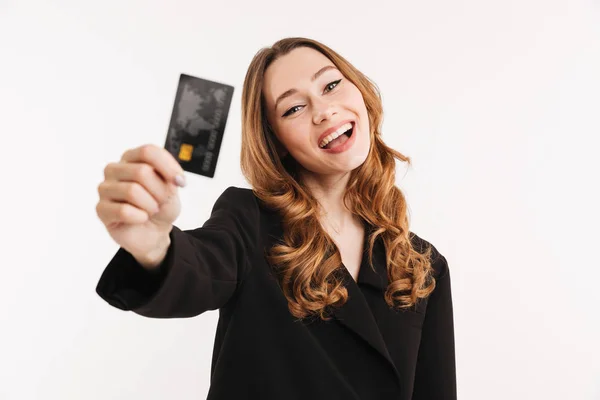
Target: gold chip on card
[185, 152]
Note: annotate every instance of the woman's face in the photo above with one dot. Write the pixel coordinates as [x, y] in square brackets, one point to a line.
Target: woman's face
[309, 102]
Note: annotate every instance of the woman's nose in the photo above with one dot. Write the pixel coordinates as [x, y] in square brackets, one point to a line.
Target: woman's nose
[322, 111]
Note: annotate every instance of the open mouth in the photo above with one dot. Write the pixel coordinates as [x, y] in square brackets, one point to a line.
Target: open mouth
[350, 131]
[340, 139]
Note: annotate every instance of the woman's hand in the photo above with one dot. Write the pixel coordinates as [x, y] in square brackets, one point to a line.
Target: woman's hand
[139, 201]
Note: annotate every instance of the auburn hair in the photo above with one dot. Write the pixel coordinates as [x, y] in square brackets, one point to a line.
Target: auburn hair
[307, 261]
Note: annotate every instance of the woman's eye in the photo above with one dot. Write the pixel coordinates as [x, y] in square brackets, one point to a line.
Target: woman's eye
[328, 88]
[334, 83]
[289, 112]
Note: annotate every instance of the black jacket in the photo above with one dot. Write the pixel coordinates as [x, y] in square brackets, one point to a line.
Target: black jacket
[261, 351]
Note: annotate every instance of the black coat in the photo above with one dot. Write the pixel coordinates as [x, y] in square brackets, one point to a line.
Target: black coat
[261, 351]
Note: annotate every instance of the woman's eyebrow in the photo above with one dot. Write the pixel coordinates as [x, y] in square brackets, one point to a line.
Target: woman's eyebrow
[290, 92]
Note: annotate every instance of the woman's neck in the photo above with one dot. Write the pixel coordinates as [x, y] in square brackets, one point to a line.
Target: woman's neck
[329, 192]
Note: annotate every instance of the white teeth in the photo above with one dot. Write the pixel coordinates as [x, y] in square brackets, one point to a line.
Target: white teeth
[335, 134]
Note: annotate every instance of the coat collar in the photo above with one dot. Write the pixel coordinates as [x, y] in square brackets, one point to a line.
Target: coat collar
[375, 276]
[355, 314]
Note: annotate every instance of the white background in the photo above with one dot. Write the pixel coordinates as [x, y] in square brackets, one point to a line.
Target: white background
[497, 103]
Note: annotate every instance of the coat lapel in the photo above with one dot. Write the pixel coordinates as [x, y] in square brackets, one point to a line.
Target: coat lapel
[356, 314]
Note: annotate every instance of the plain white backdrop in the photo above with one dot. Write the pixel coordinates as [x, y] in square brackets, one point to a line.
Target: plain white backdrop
[497, 103]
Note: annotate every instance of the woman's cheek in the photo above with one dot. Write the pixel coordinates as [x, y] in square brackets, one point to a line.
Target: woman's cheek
[357, 98]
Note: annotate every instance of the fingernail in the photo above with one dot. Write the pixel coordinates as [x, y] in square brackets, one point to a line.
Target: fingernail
[180, 180]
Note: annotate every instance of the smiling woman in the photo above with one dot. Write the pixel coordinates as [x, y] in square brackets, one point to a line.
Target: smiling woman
[306, 109]
[309, 97]
[323, 290]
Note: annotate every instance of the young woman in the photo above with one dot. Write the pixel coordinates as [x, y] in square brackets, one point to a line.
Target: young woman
[322, 290]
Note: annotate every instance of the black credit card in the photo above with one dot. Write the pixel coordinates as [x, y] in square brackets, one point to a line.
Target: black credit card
[198, 123]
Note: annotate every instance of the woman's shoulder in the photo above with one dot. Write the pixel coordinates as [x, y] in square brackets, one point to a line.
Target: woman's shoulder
[233, 191]
[236, 198]
[240, 203]
[244, 202]
[242, 198]
[438, 261]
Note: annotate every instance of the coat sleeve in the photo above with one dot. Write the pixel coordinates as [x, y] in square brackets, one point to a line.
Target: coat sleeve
[202, 269]
[435, 375]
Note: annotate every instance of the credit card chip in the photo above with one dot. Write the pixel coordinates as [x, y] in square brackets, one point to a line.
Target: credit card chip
[185, 152]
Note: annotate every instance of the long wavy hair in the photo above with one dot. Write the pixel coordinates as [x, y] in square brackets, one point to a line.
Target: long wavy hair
[307, 260]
